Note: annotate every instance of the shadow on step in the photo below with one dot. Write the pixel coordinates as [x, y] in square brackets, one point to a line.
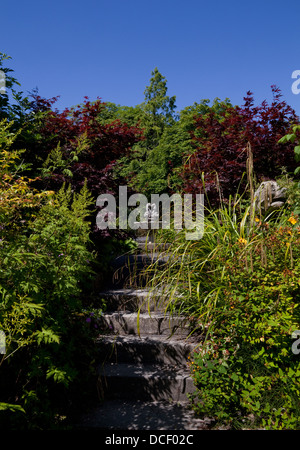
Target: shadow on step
[143, 324]
[147, 350]
[145, 382]
[135, 269]
[137, 415]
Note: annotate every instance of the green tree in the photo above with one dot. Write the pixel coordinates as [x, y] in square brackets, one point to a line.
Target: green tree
[13, 106]
[159, 169]
[158, 108]
[155, 115]
[130, 115]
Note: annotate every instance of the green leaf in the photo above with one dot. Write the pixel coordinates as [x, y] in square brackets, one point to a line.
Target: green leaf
[296, 128]
[297, 152]
[210, 365]
[287, 138]
[222, 369]
[11, 407]
[234, 377]
[297, 170]
[46, 336]
[59, 376]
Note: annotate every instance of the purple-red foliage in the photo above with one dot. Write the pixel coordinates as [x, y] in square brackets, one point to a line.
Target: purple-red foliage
[220, 141]
[106, 142]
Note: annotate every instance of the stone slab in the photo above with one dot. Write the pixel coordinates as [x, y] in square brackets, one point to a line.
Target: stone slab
[128, 299]
[144, 324]
[138, 415]
[145, 382]
[150, 349]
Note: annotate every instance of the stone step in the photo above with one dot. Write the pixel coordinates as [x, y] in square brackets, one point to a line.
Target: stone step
[147, 246]
[145, 382]
[140, 260]
[130, 269]
[138, 415]
[151, 349]
[133, 299]
[124, 323]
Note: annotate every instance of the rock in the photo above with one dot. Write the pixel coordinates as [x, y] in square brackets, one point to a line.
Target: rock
[269, 197]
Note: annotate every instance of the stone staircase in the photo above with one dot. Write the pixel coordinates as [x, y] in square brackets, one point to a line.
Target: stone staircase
[143, 376]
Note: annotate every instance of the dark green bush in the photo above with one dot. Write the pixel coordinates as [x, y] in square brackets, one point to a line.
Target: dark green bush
[245, 371]
[43, 269]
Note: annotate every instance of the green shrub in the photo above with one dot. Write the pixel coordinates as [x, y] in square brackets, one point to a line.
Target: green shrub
[245, 369]
[239, 286]
[292, 188]
[43, 269]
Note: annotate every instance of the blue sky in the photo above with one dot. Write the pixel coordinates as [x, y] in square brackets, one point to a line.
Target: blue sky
[109, 48]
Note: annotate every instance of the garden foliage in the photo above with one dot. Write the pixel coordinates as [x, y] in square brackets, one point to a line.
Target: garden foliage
[75, 145]
[44, 265]
[220, 139]
[238, 285]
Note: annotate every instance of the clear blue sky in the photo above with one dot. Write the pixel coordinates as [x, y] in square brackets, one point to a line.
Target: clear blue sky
[205, 49]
